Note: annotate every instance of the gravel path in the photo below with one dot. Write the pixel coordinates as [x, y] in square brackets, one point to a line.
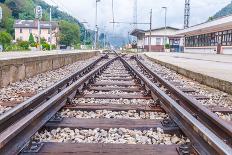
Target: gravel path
[118, 136]
[131, 114]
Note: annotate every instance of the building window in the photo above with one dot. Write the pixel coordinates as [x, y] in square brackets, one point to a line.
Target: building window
[158, 41]
[21, 30]
[30, 30]
[49, 39]
[20, 38]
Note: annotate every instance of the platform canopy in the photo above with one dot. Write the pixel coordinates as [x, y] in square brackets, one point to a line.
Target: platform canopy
[137, 32]
[217, 25]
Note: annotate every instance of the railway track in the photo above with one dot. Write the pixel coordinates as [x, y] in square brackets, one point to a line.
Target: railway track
[113, 107]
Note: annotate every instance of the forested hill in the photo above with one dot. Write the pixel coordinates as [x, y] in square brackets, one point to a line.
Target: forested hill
[224, 11]
[24, 9]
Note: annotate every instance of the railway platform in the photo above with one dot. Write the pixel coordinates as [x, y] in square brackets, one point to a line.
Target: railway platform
[209, 69]
[15, 66]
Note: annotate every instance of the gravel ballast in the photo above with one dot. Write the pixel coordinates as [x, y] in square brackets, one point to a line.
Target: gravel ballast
[114, 135]
[131, 114]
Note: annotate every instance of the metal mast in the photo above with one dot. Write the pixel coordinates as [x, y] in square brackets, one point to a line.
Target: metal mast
[186, 13]
[135, 21]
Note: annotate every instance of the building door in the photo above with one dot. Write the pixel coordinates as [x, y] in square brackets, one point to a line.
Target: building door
[219, 47]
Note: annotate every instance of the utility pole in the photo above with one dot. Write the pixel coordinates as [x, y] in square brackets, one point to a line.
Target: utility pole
[50, 29]
[150, 31]
[165, 25]
[186, 14]
[96, 27]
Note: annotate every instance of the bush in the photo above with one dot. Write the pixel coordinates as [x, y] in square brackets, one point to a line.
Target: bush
[14, 47]
[45, 46]
[167, 46]
[53, 47]
[24, 44]
[5, 39]
[77, 46]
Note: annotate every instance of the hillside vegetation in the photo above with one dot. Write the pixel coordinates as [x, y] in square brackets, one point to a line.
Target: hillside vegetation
[24, 9]
[227, 10]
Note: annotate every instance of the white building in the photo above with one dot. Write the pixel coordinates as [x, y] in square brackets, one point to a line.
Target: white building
[209, 37]
[159, 37]
[23, 29]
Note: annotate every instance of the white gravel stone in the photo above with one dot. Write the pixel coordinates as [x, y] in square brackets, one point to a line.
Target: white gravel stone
[113, 101]
[131, 114]
[114, 135]
[226, 117]
[112, 92]
[3, 109]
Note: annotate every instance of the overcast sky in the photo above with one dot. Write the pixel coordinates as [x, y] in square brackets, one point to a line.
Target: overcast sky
[84, 10]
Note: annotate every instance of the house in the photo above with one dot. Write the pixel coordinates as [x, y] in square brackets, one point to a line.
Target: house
[159, 37]
[213, 37]
[23, 29]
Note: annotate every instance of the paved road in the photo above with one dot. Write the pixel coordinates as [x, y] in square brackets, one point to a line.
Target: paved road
[218, 66]
[15, 55]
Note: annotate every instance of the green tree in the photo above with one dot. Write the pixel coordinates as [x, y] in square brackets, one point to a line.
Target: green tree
[7, 21]
[21, 9]
[5, 39]
[31, 39]
[69, 33]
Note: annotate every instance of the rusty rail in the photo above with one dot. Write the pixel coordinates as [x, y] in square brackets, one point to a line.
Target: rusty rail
[220, 127]
[24, 108]
[204, 140]
[15, 136]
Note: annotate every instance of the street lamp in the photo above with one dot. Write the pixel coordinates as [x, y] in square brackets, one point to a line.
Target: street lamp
[96, 27]
[38, 16]
[165, 24]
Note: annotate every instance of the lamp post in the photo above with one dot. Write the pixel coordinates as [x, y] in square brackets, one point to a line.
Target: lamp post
[38, 16]
[96, 26]
[165, 25]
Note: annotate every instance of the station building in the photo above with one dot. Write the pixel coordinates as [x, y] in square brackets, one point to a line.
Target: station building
[209, 37]
[159, 37]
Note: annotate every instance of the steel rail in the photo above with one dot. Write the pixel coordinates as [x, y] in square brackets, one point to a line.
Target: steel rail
[203, 114]
[27, 106]
[17, 135]
[202, 139]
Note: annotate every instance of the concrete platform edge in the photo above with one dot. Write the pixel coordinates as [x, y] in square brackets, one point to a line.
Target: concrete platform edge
[216, 83]
[21, 68]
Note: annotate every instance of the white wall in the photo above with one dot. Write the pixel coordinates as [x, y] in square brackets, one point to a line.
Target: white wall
[162, 32]
[227, 50]
[209, 50]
